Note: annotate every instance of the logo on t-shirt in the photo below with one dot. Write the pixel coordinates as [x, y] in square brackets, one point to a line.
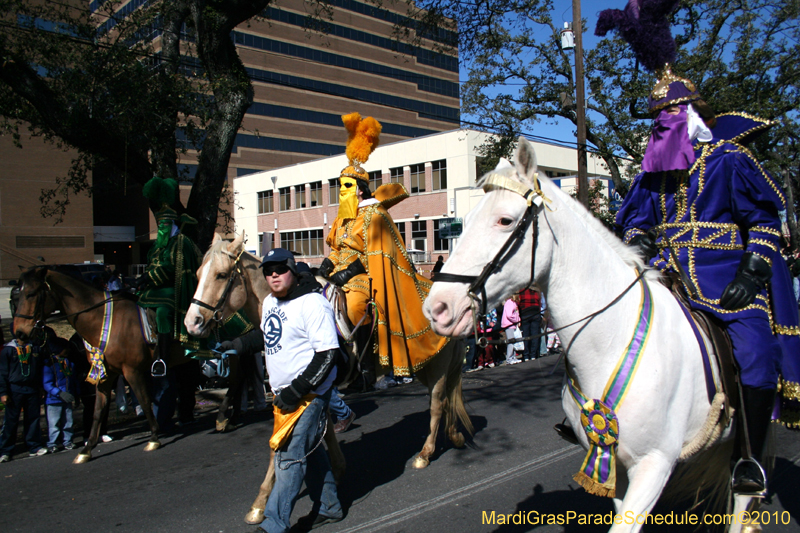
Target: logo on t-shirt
[273, 330]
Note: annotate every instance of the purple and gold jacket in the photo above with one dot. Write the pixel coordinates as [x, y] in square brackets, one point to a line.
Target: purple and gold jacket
[726, 205]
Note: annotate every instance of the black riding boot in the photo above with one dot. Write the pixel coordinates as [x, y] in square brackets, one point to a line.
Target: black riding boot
[159, 367]
[364, 342]
[758, 404]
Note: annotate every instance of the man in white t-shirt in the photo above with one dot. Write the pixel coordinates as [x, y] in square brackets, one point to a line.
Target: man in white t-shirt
[301, 349]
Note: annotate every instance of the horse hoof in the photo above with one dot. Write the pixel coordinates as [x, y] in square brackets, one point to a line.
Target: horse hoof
[458, 440]
[420, 462]
[152, 446]
[255, 516]
[81, 458]
[221, 426]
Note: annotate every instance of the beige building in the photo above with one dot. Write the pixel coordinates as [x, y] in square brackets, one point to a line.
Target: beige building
[294, 206]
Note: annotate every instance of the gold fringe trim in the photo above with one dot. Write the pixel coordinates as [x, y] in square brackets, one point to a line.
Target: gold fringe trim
[790, 418]
[790, 390]
[593, 487]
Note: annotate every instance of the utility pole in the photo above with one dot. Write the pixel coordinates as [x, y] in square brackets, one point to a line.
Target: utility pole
[580, 94]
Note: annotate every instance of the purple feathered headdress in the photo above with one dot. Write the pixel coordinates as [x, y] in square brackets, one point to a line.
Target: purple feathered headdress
[645, 26]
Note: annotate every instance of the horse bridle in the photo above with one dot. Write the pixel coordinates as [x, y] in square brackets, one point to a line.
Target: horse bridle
[535, 198]
[217, 309]
[38, 309]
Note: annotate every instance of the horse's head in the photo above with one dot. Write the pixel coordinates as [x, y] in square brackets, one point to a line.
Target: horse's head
[36, 302]
[487, 231]
[221, 289]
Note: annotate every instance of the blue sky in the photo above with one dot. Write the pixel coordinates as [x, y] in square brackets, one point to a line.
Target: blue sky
[562, 130]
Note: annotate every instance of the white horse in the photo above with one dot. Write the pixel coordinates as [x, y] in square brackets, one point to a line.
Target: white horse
[582, 267]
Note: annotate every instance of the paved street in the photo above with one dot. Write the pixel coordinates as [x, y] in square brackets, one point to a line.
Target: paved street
[204, 482]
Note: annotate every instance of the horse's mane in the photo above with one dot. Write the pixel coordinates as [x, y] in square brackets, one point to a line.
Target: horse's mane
[221, 247]
[592, 223]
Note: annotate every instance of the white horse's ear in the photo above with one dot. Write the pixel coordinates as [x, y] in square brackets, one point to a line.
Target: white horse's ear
[525, 160]
[236, 243]
[217, 238]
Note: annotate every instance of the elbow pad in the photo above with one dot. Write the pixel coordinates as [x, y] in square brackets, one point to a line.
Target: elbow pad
[316, 372]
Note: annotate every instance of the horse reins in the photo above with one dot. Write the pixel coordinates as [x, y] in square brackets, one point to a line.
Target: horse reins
[38, 308]
[217, 309]
[535, 198]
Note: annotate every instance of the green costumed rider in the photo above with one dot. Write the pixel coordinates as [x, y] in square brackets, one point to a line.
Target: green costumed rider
[170, 279]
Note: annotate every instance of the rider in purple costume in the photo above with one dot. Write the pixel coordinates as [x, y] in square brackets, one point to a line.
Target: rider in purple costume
[704, 198]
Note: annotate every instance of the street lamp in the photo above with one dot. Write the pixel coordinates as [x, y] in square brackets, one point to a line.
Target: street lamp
[567, 37]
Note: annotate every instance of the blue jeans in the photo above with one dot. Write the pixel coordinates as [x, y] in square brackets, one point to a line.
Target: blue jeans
[531, 327]
[28, 402]
[292, 467]
[337, 407]
[59, 419]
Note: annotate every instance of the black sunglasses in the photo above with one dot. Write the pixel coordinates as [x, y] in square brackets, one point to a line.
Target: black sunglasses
[279, 269]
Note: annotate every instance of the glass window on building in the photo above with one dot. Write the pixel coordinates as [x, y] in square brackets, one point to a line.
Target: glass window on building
[316, 193]
[265, 202]
[439, 244]
[299, 196]
[401, 227]
[396, 175]
[285, 201]
[418, 178]
[287, 240]
[306, 243]
[419, 235]
[439, 171]
[375, 180]
[333, 192]
[317, 243]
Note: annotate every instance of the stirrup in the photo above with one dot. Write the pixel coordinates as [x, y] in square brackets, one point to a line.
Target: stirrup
[158, 369]
[757, 488]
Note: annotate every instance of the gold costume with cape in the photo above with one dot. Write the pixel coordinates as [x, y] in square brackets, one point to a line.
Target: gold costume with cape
[405, 338]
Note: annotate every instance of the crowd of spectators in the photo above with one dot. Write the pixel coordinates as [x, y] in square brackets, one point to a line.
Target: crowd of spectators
[518, 330]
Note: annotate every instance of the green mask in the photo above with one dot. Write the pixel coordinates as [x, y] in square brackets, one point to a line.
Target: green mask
[164, 229]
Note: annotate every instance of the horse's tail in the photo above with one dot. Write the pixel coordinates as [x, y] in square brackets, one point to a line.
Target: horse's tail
[704, 479]
[455, 409]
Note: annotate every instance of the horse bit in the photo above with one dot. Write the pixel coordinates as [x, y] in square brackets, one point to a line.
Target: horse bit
[535, 198]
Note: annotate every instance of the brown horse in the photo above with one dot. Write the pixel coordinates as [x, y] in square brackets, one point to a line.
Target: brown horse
[44, 290]
[229, 280]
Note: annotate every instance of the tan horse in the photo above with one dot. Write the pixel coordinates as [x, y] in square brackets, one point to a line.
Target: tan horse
[44, 290]
[246, 291]
[228, 261]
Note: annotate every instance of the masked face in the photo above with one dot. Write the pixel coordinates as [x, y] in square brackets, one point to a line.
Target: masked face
[164, 229]
[669, 147]
[348, 198]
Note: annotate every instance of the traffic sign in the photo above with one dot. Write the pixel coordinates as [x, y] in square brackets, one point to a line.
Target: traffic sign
[450, 228]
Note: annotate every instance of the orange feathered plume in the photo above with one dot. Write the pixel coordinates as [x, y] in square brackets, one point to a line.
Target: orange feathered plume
[363, 136]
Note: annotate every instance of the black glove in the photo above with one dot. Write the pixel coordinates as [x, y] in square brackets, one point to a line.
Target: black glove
[67, 397]
[235, 344]
[325, 268]
[752, 276]
[140, 283]
[646, 243]
[288, 399]
[343, 276]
